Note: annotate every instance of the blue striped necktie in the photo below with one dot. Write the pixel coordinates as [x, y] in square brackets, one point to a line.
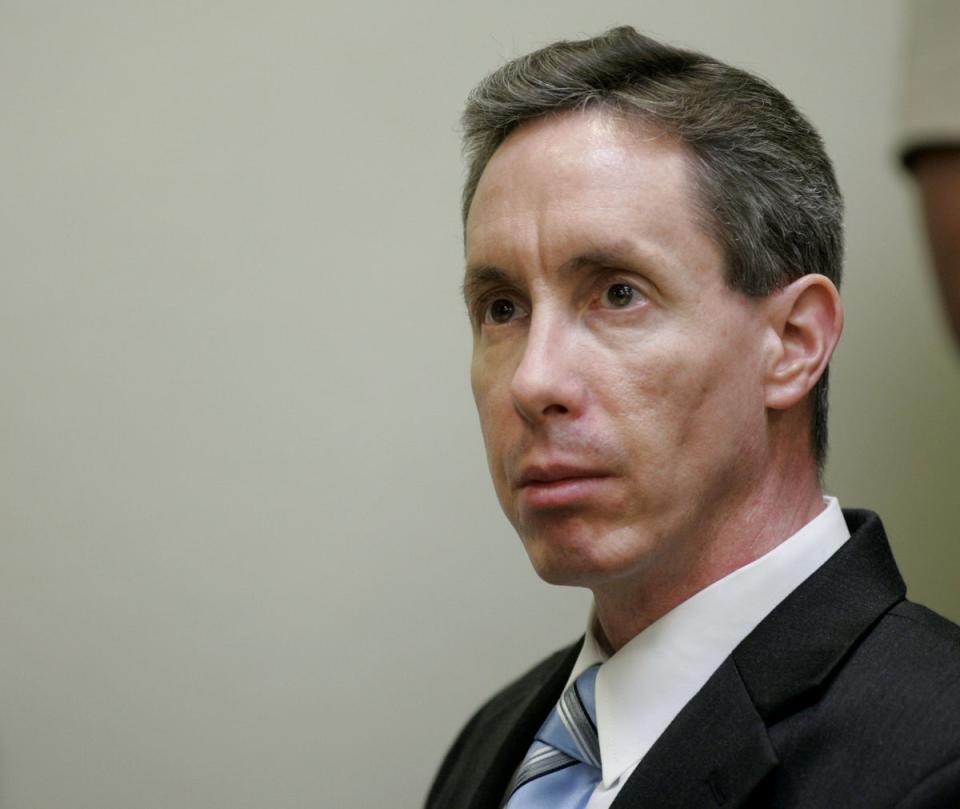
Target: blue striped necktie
[562, 766]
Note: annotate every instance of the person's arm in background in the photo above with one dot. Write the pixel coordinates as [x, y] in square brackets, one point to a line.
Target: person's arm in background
[930, 134]
[937, 172]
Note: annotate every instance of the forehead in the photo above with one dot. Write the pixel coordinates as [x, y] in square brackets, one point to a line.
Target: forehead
[581, 181]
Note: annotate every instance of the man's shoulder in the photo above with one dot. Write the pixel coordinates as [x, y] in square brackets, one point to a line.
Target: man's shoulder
[926, 629]
[927, 624]
[889, 713]
[859, 688]
[885, 661]
[917, 651]
[909, 646]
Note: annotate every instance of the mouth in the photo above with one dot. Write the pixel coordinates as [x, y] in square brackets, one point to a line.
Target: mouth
[559, 486]
[543, 475]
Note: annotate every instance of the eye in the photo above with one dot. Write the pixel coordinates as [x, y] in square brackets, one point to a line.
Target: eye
[502, 310]
[619, 296]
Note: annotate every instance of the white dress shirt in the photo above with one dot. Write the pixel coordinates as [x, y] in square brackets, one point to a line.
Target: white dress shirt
[643, 686]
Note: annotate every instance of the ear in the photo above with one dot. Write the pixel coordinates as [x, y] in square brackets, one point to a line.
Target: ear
[805, 319]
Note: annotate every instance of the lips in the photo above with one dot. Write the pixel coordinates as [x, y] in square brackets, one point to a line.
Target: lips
[534, 475]
[559, 485]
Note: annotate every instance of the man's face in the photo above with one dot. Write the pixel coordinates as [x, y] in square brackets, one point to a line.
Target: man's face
[617, 378]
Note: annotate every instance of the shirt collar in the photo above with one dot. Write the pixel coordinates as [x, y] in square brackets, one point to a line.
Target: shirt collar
[642, 688]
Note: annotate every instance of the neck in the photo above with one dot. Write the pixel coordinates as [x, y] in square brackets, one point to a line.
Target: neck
[743, 532]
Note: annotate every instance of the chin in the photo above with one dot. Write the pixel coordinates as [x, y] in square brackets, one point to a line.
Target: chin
[570, 566]
[564, 576]
[587, 558]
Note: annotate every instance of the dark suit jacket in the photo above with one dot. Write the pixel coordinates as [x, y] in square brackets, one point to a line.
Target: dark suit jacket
[846, 695]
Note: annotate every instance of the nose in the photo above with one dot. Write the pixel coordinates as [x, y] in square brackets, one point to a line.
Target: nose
[548, 383]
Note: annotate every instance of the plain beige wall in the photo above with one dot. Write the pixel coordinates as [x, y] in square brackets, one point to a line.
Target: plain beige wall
[245, 513]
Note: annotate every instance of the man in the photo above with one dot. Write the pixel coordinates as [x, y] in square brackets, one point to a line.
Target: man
[653, 245]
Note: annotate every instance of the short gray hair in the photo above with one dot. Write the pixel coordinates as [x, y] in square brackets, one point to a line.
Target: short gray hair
[767, 190]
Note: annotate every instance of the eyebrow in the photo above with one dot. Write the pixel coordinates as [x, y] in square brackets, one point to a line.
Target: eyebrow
[619, 254]
[477, 279]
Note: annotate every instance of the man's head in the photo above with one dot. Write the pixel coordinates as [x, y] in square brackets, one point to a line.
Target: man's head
[648, 310]
[765, 187]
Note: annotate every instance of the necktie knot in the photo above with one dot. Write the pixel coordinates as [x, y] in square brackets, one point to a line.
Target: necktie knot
[564, 760]
[572, 725]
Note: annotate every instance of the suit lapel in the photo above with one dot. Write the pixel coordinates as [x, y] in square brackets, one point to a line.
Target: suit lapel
[796, 648]
[717, 750]
[513, 729]
[713, 754]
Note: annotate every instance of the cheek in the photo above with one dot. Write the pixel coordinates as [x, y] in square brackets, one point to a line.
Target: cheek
[681, 401]
[481, 382]
[719, 406]
[491, 396]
